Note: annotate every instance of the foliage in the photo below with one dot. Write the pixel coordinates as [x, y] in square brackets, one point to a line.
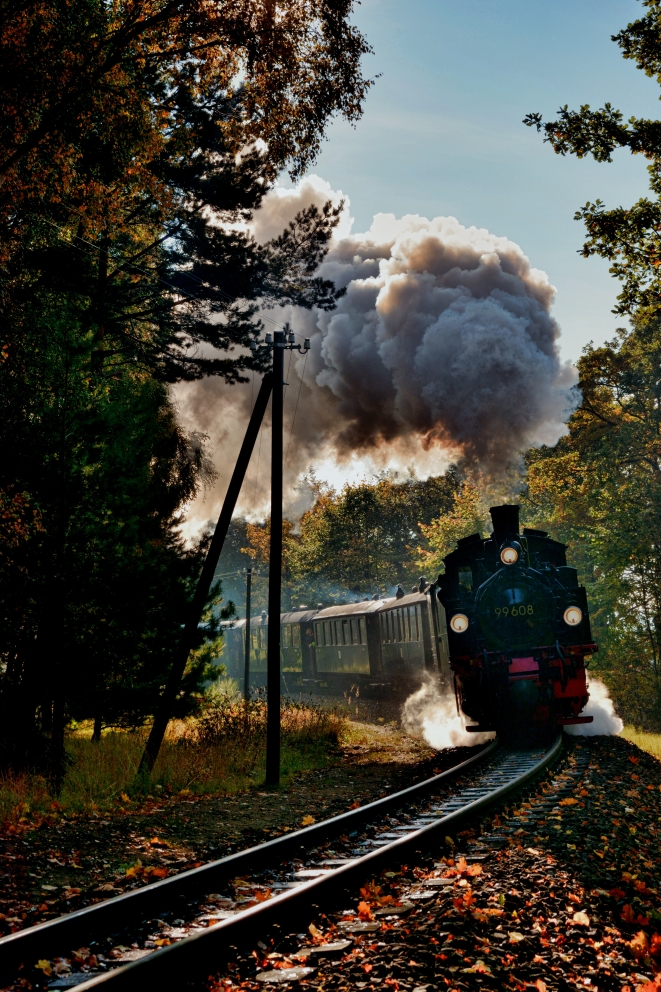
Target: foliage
[223, 752]
[629, 237]
[599, 489]
[368, 537]
[137, 139]
[466, 517]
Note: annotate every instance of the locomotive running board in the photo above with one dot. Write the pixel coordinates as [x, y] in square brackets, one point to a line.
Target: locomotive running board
[565, 721]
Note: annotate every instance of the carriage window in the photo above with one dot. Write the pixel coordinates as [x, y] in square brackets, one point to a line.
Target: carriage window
[465, 578]
[338, 632]
[286, 635]
[326, 633]
[296, 635]
[354, 632]
[384, 629]
[413, 610]
[362, 630]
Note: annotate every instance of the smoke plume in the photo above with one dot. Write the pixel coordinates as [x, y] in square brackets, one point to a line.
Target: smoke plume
[430, 714]
[600, 706]
[443, 348]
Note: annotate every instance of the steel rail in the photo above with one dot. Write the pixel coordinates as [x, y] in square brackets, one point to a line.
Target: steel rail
[75, 929]
[208, 950]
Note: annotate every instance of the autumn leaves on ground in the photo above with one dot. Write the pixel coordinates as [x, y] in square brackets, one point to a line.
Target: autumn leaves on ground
[206, 799]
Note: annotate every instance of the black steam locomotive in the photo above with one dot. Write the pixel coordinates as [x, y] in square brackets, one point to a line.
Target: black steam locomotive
[518, 628]
[507, 623]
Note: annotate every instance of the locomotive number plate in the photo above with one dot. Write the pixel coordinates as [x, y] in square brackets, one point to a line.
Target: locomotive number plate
[514, 609]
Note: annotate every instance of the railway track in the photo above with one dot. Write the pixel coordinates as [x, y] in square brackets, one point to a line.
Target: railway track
[192, 923]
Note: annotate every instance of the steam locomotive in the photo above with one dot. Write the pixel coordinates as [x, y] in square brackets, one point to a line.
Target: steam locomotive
[507, 624]
[518, 628]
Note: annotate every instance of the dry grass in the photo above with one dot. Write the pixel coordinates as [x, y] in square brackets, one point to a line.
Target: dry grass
[644, 740]
[222, 752]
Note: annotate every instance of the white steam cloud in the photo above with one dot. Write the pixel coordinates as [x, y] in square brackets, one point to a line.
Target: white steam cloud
[443, 348]
[432, 714]
[600, 706]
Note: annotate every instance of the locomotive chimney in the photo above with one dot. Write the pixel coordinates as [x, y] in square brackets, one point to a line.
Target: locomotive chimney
[505, 521]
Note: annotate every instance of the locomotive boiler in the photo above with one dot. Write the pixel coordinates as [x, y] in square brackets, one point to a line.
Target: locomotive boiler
[518, 629]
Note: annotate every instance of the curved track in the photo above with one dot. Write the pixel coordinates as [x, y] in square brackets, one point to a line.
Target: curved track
[295, 873]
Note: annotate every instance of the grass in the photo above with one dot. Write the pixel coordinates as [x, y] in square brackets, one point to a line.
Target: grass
[223, 751]
[644, 740]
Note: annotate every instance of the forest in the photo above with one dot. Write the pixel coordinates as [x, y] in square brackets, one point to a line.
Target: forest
[137, 141]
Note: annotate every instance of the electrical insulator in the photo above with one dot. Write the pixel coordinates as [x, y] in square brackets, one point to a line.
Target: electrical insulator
[292, 337]
[306, 344]
[269, 339]
[253, 344]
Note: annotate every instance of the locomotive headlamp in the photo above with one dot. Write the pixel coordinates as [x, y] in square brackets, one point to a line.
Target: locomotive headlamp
[509, 555]
[459, 623]
[572, 616]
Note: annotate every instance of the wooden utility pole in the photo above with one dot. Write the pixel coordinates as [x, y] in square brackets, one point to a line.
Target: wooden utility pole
[275, 567]
[282, 341]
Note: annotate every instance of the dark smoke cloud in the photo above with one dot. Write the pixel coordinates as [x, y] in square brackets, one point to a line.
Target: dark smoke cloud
[443, 347]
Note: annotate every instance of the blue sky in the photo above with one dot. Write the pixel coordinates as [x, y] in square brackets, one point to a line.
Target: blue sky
[442, 131]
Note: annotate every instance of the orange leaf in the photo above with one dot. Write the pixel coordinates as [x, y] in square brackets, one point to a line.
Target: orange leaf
[581, 919]
[367, 968]
[568, 802]
[474, 870]
[617, 893]
[307, 821]
[655, 945]
[364, 911]
[540, 985]
[639, 946]
[627, 914]
[633, 759]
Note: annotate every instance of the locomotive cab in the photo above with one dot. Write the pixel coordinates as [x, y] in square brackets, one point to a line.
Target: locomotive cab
[518, 628]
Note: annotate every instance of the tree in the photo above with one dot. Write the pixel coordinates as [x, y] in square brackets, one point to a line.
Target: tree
[599, 489]
[132, 161]
[629, 237]
[466, 516]
[368, 537]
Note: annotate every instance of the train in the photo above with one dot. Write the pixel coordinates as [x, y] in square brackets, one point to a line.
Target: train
[518, 628]
[506, 627]
[376, 649]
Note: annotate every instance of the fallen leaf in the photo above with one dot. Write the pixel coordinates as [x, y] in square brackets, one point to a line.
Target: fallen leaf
[367, 968]
[364, 911]
[568, 802]
[581, 920]
[474, 870]
[307, 821]
[627, 914]
[515, 937]
[540, 985]
[45, 966]
[639, 945]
